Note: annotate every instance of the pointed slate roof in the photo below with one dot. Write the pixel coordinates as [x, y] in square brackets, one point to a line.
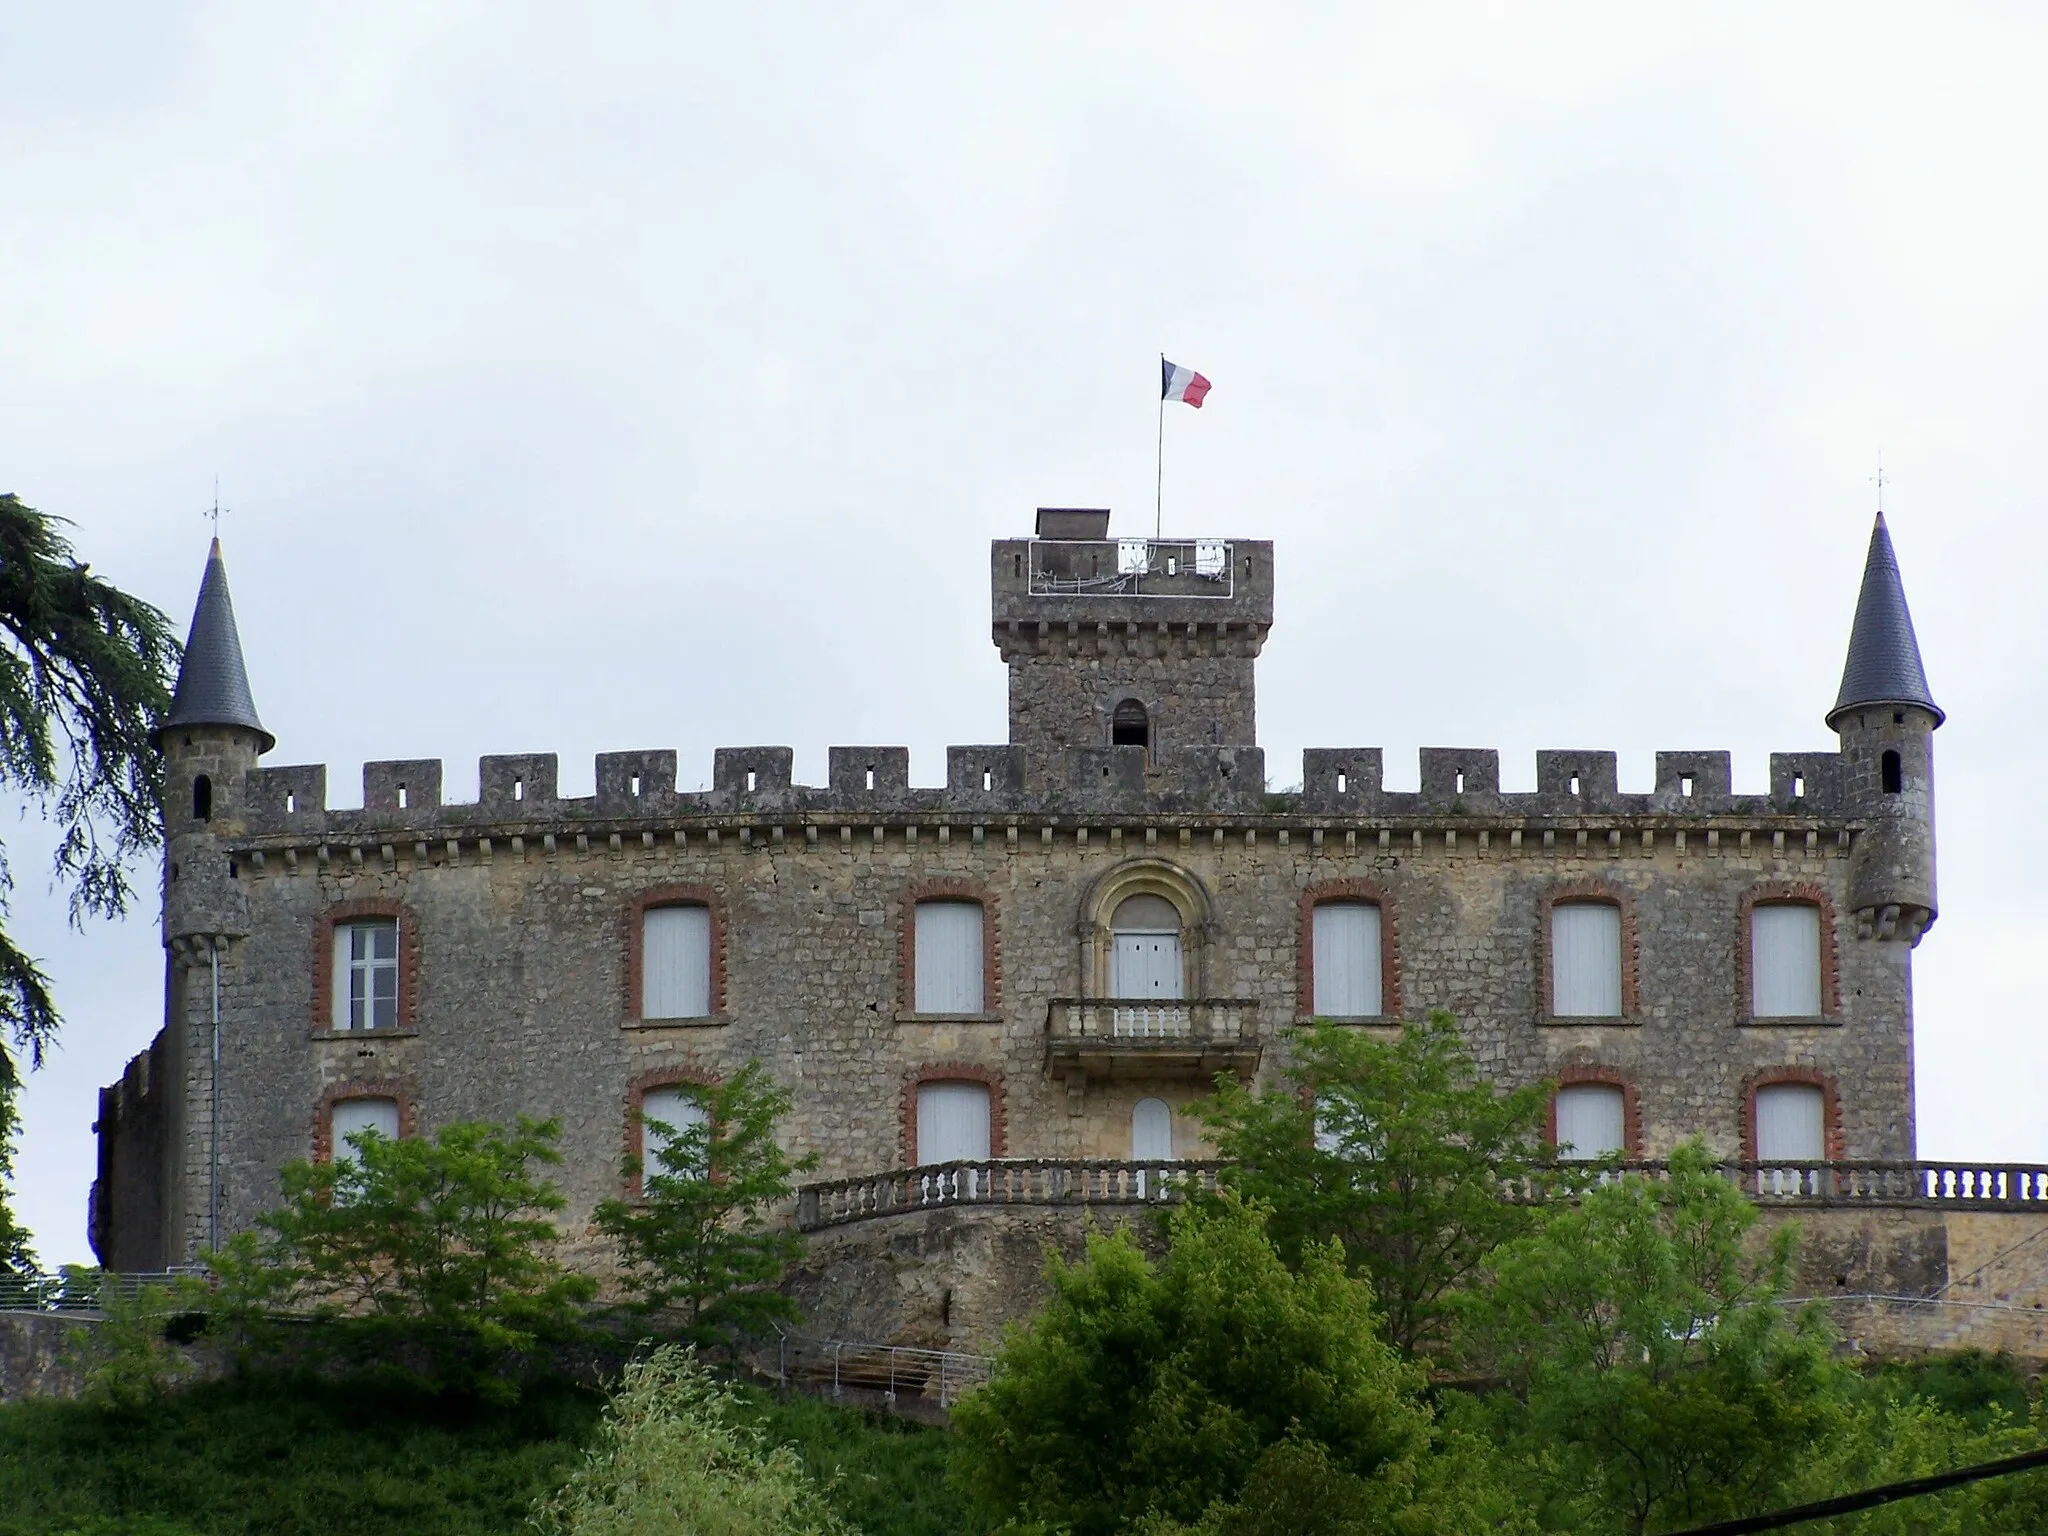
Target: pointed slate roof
[1884, 654]
[213, 683]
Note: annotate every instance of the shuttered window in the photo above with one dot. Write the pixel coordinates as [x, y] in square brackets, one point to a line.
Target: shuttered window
[352, 1117]
[365, 975]
[1592, 1121]
[1784, 961]
[675, 963]
[952, 1122]
[1151, 1131]
[1346, 939]
[1585, 960]
[948, 963]
[1791, 1123]
[680, 1110]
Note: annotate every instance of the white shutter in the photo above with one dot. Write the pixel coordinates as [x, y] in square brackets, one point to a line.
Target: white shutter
[1151, 1131]
[1591, 1121]
[353, 1116]
[952, 1122]
[1784, 961]
[1585, 960]
[339, 1014]
[948, 957]
[675, 963]
[1791, 1123]
[1346, 960]
[676, 1108]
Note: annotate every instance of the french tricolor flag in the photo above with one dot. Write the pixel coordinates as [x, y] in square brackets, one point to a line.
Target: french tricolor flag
[1178, 383]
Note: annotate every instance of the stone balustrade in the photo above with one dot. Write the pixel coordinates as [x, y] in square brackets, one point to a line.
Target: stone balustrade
[1121, 1037]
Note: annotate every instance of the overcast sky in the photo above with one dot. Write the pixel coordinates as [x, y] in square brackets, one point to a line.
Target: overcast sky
[621, 376]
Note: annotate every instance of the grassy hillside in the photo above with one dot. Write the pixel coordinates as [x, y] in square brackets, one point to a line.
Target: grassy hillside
[294, 1458]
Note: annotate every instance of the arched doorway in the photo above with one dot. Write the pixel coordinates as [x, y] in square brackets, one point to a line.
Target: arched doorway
[1129, 726]
[1145, 950]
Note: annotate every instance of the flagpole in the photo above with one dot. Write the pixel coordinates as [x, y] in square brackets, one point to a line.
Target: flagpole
[1159, 480]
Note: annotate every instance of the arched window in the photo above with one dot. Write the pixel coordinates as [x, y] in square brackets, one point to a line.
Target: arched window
[1894, 776]
[1151, 1131]
[1129, 727]
[202, 797]
[1145, 954]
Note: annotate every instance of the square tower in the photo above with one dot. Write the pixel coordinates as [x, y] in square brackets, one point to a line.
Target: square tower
[1128, 642]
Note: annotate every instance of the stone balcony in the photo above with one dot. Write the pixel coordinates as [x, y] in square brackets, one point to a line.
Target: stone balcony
[1104, 1038]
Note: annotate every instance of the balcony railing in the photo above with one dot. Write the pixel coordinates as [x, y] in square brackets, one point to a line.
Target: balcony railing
[1132, 568]
[2021, 1187]
[1129, 1037]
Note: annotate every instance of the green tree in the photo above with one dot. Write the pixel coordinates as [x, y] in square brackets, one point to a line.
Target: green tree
[1158, 1392]
[84, 677]
[699, 1245]
[673, 1455]
[1655, 1376]
[1399, 1150]
[446, 1244]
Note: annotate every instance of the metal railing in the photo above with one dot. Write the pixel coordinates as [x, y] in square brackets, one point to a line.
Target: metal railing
[81, 1290]
[1132, 568]
[893, 1370]
[1000, 1181]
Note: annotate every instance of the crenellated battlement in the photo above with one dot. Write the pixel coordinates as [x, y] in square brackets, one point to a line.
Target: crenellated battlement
[997, 781]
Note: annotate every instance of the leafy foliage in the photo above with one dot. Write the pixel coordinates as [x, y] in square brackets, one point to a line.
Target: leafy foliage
[126, 1362]
[699, 1245]
[84, 677]
[1158, 1392]
[1656, 1377]
[445, 1244]
[1400, 1151]
[674, 1454]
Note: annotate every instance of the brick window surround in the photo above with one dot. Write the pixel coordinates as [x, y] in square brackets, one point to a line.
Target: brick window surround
[1782, 893]
[635, 936]
[1831, 1106]
[1564, 894]
[674, 1074]
[954, 1072]
[991, 947]
[396, 1088]
[323, 959]
[1305, 944]
[1605, 1077]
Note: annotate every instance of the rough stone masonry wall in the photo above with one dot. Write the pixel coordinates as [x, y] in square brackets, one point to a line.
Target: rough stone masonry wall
[516, 918]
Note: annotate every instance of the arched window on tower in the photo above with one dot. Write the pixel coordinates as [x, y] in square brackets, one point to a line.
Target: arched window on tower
[1129, 727]
[202, 798]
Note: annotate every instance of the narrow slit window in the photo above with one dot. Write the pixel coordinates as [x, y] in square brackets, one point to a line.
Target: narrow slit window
[1345, 936]
[1685, 785]
[1585, 960]
[1457, 783]
[948, 957]
[988, 780]
[1798, 786]
[675, 963]
[1573, 787]
[753, 779]
[291, 803]
[871, 776]
[202, 798]
[633, 785]
[1894, 777]
[1341, 782]
[519, 789]
[402, 798]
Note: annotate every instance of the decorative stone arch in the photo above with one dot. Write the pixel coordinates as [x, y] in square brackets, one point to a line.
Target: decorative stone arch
[1146, 877]
[1600, 1075]
[1780, 893]
[398, 1089]
[1812, 1077]
[671, 1074]
[990, 1078]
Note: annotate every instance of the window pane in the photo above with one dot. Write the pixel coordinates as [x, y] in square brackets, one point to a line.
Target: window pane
[365, 975]
[948, 957]
[675, 963]
[350, 1117]
[952, 1122]
[1791, 1123]
[1784, 949]
[1585, 960]
[1591, 1120]
[1151, 1131]
[679, 1110]
[1346, 938]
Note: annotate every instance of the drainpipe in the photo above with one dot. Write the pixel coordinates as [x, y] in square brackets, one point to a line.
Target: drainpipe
[213, 1136]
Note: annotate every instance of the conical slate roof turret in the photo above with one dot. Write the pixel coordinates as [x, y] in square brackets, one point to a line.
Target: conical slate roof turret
[1884, 655]
[213, 683]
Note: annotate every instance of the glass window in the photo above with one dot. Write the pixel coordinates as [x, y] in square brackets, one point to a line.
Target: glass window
[1346, 960]
[1784, 961]
[948, 957]
[1585, 960]
[366, 974]
[1592, 1120]
[669, 1116]
[675, 963]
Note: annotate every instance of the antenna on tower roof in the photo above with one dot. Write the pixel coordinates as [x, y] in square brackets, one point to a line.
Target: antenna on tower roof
[213, 513]
[1878, 478]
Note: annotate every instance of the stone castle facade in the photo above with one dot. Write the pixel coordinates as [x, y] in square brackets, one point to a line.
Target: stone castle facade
[1044, 959]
